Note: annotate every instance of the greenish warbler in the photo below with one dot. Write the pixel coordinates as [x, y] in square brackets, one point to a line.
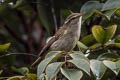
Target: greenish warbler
[65, 39]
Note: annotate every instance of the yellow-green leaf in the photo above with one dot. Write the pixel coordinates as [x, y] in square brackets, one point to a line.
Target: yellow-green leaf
[94, 46]
[88, 39]
[101, 35]
[4, 47]
[109, 32]
[115, 45]
[117, 39]
[98, 33]
[16, 78]
[1, 72]
[31, 76]
[81, 45]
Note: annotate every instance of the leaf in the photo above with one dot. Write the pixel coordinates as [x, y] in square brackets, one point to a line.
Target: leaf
[87, 40]
[117, 39]
[81, 64]
[114, 66]
[90, 6]
[107, 56]
[94, 46]
[98, 68]
[109, 13]
[4, 47]
[72, 74]
[118, 12]
[16, 78]
[117, 45]
[101, 35]
[46, 61]
[22, 70]
[42, 77]
[31, 76]
[78, 55]
[19, 3]
[46, 15]
[86, 16]
[1, 72]
[111, 4]
[52, 69]
[81, 45]
[109, 32]
[52, 53]
[118, 66]
[98, 32]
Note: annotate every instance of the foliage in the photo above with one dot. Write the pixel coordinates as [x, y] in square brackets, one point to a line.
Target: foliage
[26, 25]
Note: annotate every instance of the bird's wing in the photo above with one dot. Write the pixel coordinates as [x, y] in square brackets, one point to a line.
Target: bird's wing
[57, 35]
[53, 39]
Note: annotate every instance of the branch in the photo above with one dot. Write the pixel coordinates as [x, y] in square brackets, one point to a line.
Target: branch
[18, 54]
[54, 16]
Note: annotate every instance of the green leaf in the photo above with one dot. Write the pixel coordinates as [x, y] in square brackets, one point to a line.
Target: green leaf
[22, 70]
[98, 32]
[72, 74]
[118, 12]
[1, 72]
[109, 13]
[107, 56]
[16, 78]
[4, 47]
[117, 45]
[109, 32]
[87, 40]
[94, 46]
[81, 64]
[52, 69]
[98, 68]
[52, 53]
[101, 35]
[111, 4]
[90, 6]
[117, 39]
[86, 16]
[42, 77]
[31, 76]
[46, 61]
[118, 66]
[78, 55]
[81, 45]
[19, 3]
[114, 66]
[46, 15]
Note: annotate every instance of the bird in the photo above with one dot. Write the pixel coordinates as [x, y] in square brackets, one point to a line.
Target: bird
[66, 38]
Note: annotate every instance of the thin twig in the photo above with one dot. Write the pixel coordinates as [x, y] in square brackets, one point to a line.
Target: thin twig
[18, 54]
[3, 78]
[54, 16]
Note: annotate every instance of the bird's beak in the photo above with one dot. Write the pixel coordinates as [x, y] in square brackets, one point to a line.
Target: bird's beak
[82, 14]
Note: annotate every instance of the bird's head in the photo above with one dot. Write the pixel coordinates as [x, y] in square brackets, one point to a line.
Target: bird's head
[73, 16]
